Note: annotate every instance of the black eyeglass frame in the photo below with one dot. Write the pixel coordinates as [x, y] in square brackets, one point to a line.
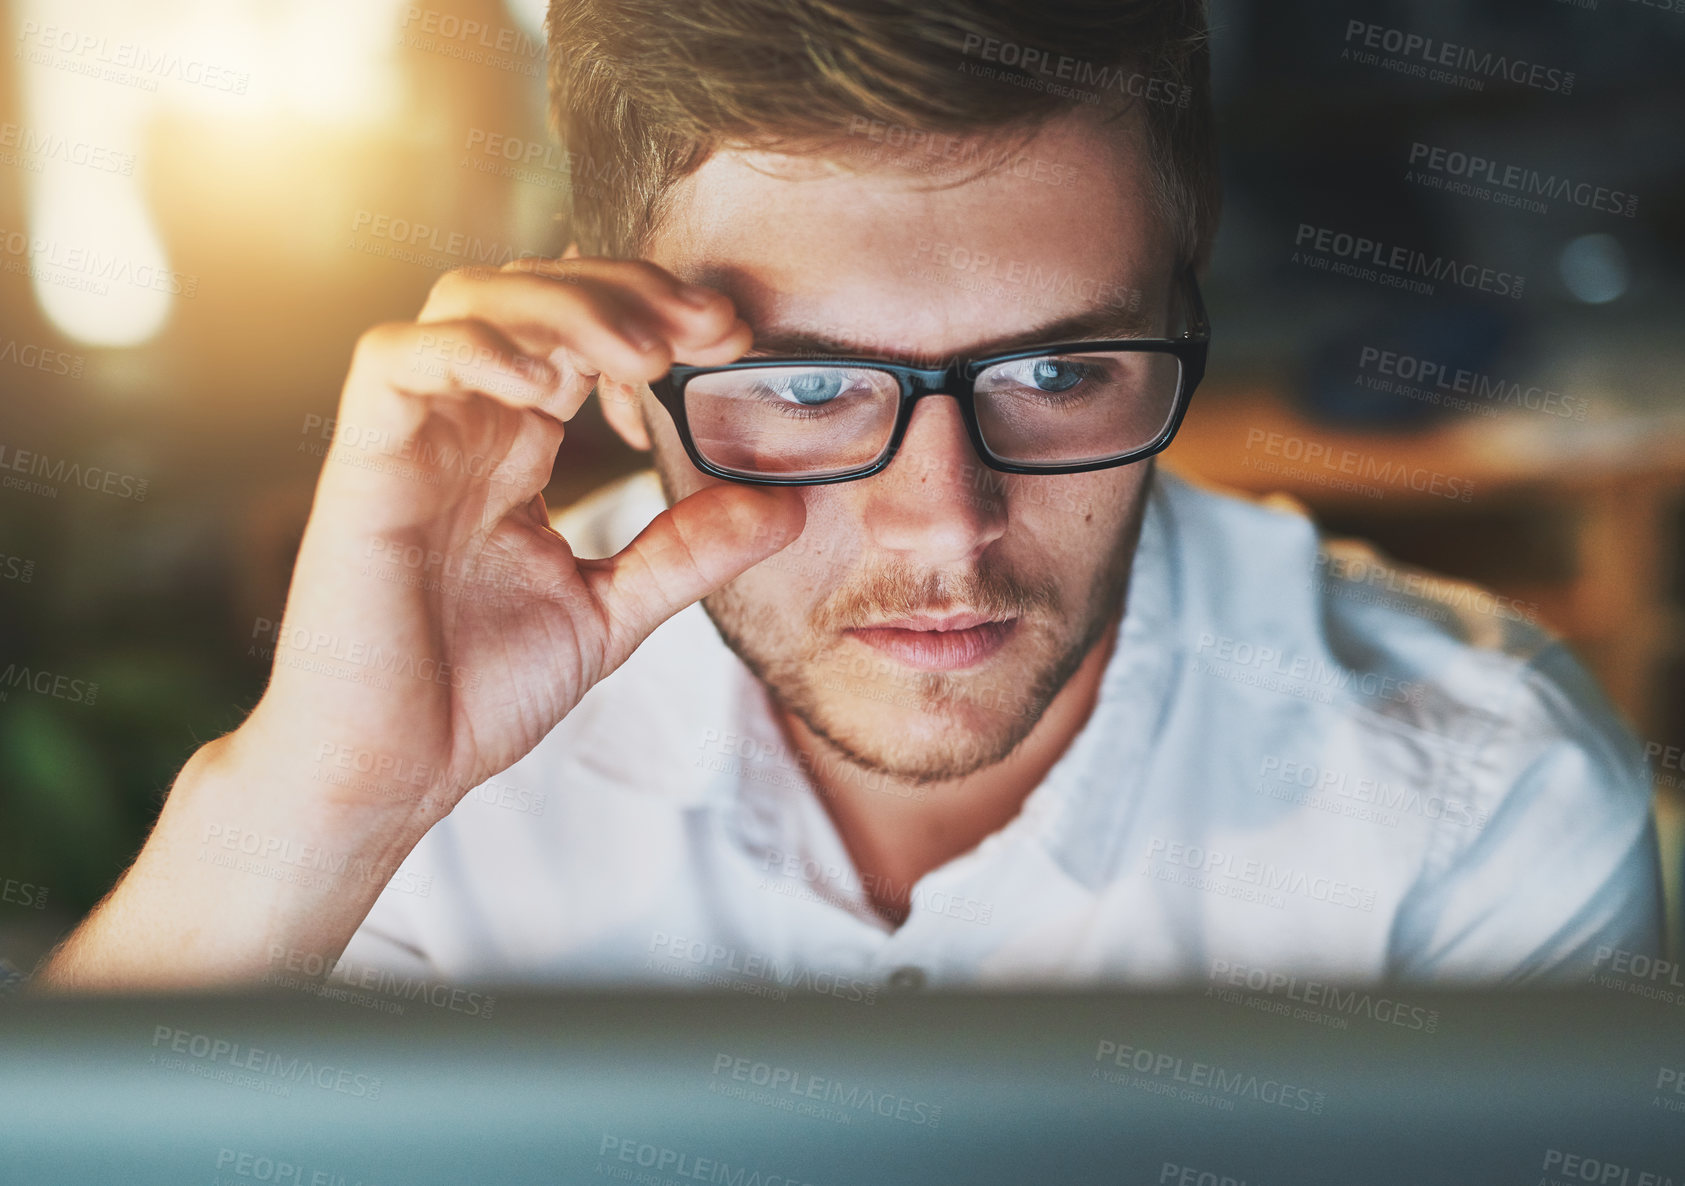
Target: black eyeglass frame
[958, 381]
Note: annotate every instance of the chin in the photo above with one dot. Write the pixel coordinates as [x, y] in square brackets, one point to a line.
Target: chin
[924, 726]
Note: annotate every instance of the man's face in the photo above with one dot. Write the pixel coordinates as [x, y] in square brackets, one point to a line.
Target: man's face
[882, 263]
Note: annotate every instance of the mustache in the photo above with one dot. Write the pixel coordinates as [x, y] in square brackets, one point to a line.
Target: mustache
[898, 590]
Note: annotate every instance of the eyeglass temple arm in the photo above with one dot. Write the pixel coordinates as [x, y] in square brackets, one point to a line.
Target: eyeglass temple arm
[1199, 325]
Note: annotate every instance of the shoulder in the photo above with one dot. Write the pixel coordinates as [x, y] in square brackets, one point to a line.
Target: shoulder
[1444, 676]
[1263, 570]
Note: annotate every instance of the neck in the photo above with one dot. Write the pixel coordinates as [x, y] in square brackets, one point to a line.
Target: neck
[897, 830]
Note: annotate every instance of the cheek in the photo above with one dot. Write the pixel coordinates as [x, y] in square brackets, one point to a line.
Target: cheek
[813, 567]
[1078, 516]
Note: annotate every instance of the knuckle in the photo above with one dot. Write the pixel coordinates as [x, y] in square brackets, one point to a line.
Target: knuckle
[458, 279]
[452, 291]
[643, 269]
[383, 340]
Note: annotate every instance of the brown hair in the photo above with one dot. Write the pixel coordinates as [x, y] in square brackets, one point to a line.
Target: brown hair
[643, 91]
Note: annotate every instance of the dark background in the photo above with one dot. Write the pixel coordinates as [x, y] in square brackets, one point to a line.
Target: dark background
[255, 198]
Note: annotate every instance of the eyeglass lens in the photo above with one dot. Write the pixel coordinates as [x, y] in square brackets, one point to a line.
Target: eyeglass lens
[808, 421]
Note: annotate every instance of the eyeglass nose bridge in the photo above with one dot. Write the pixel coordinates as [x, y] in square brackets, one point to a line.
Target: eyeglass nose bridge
[919, 382]
[916, 383]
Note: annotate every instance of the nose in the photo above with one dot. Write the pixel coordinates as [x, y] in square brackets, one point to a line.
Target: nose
[936, 502]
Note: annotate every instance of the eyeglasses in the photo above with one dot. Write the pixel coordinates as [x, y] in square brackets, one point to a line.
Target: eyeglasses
[1063, 408]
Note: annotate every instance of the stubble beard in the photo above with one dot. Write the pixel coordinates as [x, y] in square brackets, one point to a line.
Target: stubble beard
[946, 725]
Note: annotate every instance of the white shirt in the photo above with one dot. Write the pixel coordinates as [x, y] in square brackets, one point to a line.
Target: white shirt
[1299, 764]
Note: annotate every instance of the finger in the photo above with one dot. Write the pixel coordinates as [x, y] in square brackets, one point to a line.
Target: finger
[606, 329]
[615, 316]
[687, 552]
[699, 321]
[440, 404]
[452, 359]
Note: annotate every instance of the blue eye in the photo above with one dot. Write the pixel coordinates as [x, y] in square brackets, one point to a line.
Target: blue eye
[1055, 374]
[814, 387]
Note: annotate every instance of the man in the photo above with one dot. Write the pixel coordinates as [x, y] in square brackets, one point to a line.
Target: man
[973, 695]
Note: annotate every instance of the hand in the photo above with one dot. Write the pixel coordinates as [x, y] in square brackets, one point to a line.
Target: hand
[429, 565]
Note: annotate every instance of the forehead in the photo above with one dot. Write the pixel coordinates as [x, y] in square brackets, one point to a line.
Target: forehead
[890, 250]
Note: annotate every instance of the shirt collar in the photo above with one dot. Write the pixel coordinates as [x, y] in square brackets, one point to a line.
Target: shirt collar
[1081, 810]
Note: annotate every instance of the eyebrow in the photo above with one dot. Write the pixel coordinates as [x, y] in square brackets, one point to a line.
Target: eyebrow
[1090, 325]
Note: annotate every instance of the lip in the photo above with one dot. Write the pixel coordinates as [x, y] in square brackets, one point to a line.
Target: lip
[938, 644]
[931, 622]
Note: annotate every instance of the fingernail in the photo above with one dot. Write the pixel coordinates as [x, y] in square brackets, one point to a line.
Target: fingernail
[695, 295]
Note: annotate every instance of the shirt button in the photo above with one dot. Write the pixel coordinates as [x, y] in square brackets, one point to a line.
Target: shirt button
[906, 979]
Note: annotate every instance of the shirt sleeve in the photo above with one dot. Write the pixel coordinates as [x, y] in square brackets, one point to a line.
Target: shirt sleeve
[1565, 870]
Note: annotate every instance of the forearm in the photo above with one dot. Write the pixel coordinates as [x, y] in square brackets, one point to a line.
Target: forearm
[243, 863]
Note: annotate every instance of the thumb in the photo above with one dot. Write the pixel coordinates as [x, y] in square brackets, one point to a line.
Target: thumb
[687, 552]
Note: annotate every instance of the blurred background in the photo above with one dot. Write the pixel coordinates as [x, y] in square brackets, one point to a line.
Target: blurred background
[203, 204]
